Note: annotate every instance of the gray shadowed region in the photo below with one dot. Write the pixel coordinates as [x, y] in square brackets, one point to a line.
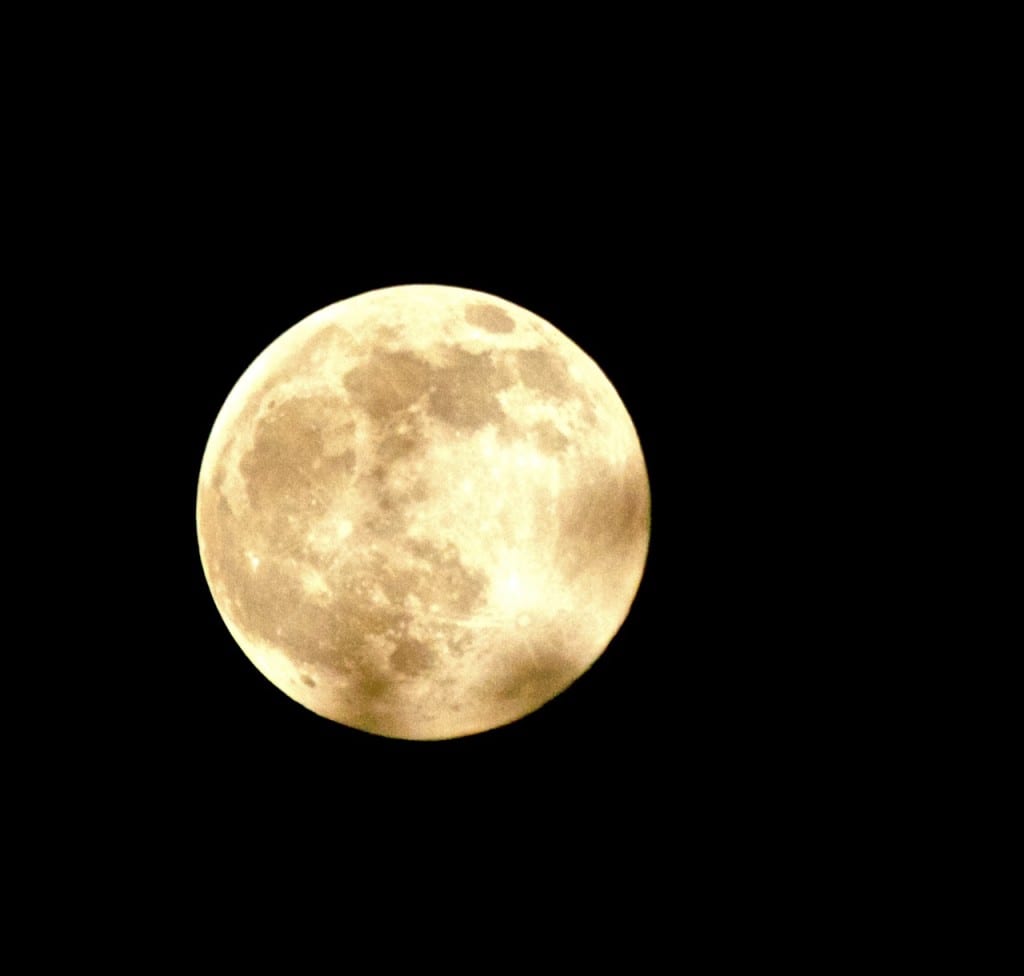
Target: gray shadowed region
[489, 317]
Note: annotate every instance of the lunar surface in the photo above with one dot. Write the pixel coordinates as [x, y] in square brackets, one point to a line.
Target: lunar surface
[423, 512]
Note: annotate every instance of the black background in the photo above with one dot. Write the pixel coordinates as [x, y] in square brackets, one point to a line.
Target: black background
[220, 242]
[223, 267]
[671, 208]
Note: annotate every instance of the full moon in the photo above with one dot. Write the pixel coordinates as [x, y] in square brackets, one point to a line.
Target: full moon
[423, 512]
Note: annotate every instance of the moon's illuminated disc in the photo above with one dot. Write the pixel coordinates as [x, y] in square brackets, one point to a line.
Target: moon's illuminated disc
[423, 512]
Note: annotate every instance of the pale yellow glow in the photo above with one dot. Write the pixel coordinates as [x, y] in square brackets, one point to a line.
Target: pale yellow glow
[423, 512]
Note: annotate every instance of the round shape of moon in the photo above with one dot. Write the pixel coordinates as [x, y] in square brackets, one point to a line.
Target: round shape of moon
[423, 512]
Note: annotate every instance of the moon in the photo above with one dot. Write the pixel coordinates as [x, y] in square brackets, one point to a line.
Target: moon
[423, 512]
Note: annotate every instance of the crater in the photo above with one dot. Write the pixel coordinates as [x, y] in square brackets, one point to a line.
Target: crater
[535, 679]
[273, 602]
[489, 317]
[389, 382]
[466, 412]
[397, 444]
[544, 372]
[549, 438]
[369, 687]
[446, 581]
[465, 393]
[287, 460]
[412, 657]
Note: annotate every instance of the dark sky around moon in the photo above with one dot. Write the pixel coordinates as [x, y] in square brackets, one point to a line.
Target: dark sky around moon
[171, 734]
[182, 229]
[190, 716]
[615, 717]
